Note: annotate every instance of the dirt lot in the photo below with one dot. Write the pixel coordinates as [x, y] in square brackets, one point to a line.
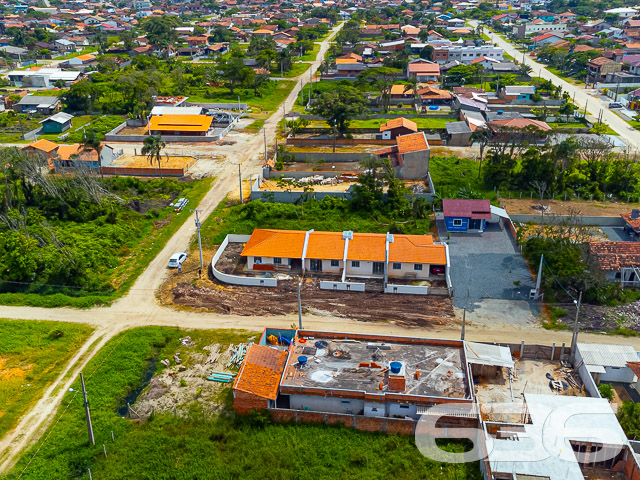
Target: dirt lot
[558, 207]
[137, 161]
[405, 310]
[597, 318]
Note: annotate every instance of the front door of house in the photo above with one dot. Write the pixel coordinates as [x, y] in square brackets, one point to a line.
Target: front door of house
[475, 224]
[378, 268]
[315, 265]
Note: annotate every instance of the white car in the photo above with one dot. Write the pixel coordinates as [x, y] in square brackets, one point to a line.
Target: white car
[176, 260]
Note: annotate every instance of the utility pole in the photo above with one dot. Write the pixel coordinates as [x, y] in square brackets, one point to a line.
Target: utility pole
[464, 319]
[574, 337]
[198, 225]
[617, 87]
[264, 131]
[299, 307]
[284, 121]
[539, 280]
[241, 201]
[92, 440]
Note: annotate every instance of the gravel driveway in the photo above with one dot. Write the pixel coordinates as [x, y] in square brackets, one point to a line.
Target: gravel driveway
[486, 266]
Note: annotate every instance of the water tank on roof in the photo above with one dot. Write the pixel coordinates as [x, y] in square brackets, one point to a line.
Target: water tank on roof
[635, 213]
[395, 367]
[302, 360]
[500, 112]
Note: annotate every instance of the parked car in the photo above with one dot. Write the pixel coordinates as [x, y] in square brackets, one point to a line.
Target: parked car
[437, 270]
[180, 204]
[615, 105]
[176, 260]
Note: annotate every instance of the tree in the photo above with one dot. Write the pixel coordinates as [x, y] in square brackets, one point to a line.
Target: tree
[412, 86]
[629, 418]
[127, 38]
[294, 126]
[383, 79]
[339, 106]
[92, 142]
[235, 73]
[525, 70]
[161, 31]
[482, 136]
[152, 148]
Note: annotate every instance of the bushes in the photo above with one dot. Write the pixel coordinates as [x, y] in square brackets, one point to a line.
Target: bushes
[606, 391]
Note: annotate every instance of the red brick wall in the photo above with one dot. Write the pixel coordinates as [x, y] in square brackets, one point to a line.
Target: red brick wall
[399, 426]
[245, 402]
[631, 470]
[310, 417]
[369, 424]
[283, 415]
[346, 420]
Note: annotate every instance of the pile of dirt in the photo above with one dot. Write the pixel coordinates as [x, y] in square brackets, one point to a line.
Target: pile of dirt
[598, 318]
[405, 310]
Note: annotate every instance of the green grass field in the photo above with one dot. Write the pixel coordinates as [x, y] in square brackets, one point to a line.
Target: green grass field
[450, 175]
[310, 56]
[296, 70]
[272, 95]
[32, 354]
[221, 446]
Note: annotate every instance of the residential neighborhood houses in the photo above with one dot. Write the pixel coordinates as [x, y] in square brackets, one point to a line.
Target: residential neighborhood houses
[310, 239]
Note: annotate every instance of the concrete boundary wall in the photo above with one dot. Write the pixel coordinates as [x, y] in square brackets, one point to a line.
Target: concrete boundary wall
[343, 286]
[557, 219]
[235, 279]
[331, 157]
[407, 289]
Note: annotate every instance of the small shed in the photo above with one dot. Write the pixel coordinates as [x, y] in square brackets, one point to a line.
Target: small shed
[396, 127]
[57, 123]
[466, 215]
[607, 363]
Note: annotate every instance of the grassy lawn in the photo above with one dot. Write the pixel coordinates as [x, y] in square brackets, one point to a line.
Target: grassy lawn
[125, 259]
[221, 446]
[565, 125]
[296, 70]
[102, 124]
[328, 85]
[562, 75]
[49, 93]
[452, 176]
[272, 95]
[311, 55]
[32, 354]
[12, 132]
[635, 124]
[256, 125]
[77, 54]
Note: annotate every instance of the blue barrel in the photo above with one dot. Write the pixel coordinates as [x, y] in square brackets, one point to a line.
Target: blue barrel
[395, 367]
[302, 360]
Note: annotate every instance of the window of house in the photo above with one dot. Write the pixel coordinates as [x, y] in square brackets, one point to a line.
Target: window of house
[257, 259]
[345, 401]
[277, 260]
[404, 406]
[397, 266]
[417, 266]
[457, 222]
[335, 263]
[355, 263]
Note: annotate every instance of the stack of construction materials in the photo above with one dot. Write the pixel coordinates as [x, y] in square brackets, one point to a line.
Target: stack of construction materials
[221, 377]
[238, 353]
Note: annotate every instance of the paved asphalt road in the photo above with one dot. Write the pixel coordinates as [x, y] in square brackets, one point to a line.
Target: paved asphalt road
[629, 135]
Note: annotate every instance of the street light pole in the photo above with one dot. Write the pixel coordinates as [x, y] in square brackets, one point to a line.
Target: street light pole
[284, 121]
[239, 180]
[198, 225]
[264, 131]
[574, 337]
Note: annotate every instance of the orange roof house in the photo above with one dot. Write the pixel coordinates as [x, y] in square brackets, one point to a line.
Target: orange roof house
[180, 125]
[344, 253]
[396, 127]
[409, 157]
[258, 379]
[632, 220]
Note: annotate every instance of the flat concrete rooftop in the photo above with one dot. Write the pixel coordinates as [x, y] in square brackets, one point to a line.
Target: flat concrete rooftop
[337, 362]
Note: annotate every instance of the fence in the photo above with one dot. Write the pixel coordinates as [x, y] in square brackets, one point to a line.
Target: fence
[558, 219]
[407, 289]
[343, 286]
[235, 279]
[143, 172]
[113, 136]
[338, 157]
[222, 106]
[303, 142]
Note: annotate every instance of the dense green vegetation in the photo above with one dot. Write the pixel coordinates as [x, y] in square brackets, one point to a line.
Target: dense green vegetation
[223, 446]
[32, 354]
[629, 418]
[101, 125]
[76, 239]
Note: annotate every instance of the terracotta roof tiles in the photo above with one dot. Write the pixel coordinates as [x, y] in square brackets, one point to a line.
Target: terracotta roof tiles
[612, 256]
[261, 371]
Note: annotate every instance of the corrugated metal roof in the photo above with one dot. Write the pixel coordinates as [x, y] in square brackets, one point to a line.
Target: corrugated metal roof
[607, 355]
[485, 354]
[466, 411]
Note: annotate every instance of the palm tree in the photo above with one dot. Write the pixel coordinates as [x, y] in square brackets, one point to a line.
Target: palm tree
[482, 136]
[92, 142]
[152, 148]
[525, 70]
[412, 86]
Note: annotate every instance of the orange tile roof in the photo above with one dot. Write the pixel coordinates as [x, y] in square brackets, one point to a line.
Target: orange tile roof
[413, 142]
[633, 222]
[399, 122]
[520, 123]
[181, 123]
[428, 68]
[326, 246]
[261, 371]
[399, 89]
[88, 56]
[274, 243]
[42, 145]
[368, 247]
[635, 367]
[411, 249]
[612, 256]
[65, 152]
[330, 246]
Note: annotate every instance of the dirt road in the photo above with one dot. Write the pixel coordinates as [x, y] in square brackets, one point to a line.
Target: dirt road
[139, 307]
